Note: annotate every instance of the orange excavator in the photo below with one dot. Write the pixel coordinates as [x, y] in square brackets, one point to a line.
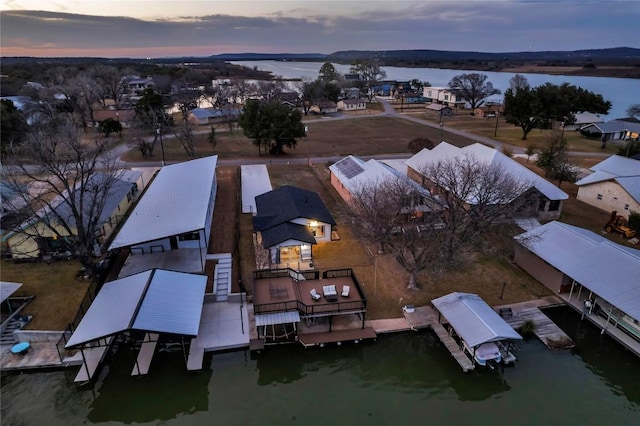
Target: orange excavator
[617, 223]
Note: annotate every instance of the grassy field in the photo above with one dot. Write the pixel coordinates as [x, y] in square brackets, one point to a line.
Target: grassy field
[362, 136]
[58, 293]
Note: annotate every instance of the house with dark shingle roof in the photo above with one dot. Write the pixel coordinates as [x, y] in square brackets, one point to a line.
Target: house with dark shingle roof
[289, 221]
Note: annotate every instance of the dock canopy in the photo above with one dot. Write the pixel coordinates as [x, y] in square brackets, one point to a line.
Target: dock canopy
[7, 289]
[156, 301]
[473, 320]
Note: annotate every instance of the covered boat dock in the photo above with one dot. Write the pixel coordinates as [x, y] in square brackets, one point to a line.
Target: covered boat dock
[477, 325]
[139, 309]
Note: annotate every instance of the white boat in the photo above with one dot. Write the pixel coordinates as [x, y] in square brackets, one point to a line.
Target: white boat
[485, 354]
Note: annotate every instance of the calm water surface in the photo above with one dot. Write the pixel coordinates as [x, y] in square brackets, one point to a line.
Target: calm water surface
[401, 379]
[621, 92]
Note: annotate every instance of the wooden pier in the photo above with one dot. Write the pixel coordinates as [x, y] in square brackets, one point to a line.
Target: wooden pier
[549, 333]
[337, 336]
[450, 343]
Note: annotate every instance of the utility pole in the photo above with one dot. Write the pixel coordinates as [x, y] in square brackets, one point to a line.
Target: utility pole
[441, 125]
[306, 131]
[159, 133]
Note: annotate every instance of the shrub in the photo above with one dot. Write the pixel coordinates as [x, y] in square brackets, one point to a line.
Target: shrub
[527, 328]
[417, 144]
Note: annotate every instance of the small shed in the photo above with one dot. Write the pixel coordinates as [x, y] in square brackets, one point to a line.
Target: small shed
[439, 110]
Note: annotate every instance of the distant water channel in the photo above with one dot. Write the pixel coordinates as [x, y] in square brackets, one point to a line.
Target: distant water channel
[401, 379]
[621, 92]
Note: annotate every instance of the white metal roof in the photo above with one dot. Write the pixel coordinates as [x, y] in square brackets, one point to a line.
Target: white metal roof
[175, 202]
[155, 300]
[625, 171]
[483, 154]
[473, 320]
[112, 310]
[362, 174]
[277, 318]
[608, 269]
[7, 289]
[255, 181]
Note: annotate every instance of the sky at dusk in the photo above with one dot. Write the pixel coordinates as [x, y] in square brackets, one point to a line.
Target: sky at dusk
[146, 28]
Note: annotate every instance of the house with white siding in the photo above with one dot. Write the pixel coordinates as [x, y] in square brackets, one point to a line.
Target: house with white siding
[613, 185]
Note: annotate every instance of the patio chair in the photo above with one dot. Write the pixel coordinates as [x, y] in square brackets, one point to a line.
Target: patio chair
[314, 294]
[345, 290]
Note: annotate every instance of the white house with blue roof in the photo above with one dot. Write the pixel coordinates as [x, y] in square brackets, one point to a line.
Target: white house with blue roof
[614, 185]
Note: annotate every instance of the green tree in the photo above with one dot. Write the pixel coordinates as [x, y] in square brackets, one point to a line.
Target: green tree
[13, 126]
[538, 107]
[521, 109]
[271, 125]
[473, 88]
[328, 73]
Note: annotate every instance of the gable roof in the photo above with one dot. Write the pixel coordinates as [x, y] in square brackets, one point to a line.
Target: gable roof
[586, 118]
[437, 107]
[286, 231]
[473, 319]
[157, 301]
[176, 201]
[489, 156]
[59, 206]
[355, 174]
[614, 126]
[608, 269]
[624, 171]
[287, 203]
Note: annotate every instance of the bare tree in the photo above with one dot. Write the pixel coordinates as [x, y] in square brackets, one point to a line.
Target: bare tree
[186, 100]
[74, 179]
[476, 197]
[473, 88]
[397, 215]
[113, 83]
[463, 204]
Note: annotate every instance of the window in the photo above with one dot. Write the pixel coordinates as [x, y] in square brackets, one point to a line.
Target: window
[554, 205]
[542, 204]
[599, 197]
[190, 236]
[626, 206]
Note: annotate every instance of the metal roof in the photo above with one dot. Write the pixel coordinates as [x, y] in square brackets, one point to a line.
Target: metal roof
[7, 289]
[255, 181]
[604, 267]
[356, 174]
[625, 171]
[473, 320]
[277, 318]
[489, 156]
[156, 301]
[112, 310]
[172, 304]
[175, 202]
[619, 166]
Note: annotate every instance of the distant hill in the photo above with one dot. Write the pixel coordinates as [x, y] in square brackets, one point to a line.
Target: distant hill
[435, 55]
[269, 56]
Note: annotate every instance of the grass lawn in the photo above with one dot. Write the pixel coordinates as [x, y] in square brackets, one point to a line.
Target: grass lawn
[362, 136]
[58, 292]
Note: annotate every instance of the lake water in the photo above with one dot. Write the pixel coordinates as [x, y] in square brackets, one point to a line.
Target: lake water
[621, 92]
[407, 378]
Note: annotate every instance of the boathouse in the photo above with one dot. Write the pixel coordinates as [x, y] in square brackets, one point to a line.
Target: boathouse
[139, 311]
[582, 266]
[476, 324]
[170, 226]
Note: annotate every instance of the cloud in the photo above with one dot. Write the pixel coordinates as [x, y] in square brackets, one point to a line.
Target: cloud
[493, 26]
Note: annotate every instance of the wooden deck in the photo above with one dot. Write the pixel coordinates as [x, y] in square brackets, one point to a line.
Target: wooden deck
[549, 333]
[338, 336]
[452, 346]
